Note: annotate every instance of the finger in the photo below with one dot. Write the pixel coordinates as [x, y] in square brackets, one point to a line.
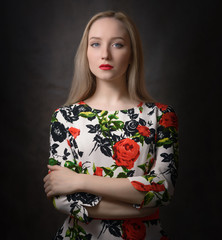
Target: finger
[46, 185]
[45, 179]
[54, 167]
[48, 190]
[50, 194]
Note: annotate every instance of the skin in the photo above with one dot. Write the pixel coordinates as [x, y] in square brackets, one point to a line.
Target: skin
[108, 43]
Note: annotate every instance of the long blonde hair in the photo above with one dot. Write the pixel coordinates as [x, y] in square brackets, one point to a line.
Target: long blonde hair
[84, 82]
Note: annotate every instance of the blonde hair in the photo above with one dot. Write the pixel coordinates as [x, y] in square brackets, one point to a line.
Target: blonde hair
[84, 82]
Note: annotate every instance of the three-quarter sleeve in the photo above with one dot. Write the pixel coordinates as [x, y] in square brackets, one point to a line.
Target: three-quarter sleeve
[159, 181]
[61, 154]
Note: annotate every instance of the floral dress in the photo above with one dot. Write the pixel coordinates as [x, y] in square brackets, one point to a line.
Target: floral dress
[139, 143]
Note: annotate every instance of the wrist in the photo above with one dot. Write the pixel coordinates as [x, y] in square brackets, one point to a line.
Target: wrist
[81, 182]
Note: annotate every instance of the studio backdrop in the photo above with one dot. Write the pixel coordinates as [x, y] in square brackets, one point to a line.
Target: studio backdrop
[181, 45]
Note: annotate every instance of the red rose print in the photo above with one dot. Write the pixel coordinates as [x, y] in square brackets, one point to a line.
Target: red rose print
[162, 107]
[133, 229]
[169, 119]
[146, 188]
[98, 172]
[141, 187]
[140, 104]
[82, 103]
[126, 152]
[74, 131]
[140, 107]
[80, 164]
[157, 187]
[68, 142]
[143, 130]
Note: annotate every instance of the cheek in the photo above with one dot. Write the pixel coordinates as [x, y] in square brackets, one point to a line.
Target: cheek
[124, 55]
[92, 57]
[124, 59]
[92, 61]
[89, 56]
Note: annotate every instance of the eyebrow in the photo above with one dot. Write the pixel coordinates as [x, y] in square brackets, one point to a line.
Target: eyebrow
[111, 38]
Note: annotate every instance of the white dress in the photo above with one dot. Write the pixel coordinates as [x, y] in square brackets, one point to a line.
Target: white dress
[139, 143]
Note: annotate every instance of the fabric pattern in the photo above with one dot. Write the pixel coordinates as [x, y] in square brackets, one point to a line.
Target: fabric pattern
[139, 143]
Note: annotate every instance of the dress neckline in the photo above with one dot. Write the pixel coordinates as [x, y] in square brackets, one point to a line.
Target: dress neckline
[100, 110]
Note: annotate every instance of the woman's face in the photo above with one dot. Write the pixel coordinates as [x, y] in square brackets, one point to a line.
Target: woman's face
[109, 49]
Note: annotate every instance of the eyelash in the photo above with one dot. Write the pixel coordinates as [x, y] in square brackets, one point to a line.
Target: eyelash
[116, 45]
[93, 44]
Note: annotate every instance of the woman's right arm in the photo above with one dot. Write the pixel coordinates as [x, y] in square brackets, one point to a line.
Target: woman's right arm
[108, 209]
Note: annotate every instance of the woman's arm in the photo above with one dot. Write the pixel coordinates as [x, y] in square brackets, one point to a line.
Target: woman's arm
[108, 209]
[117, 210]
[62, 181]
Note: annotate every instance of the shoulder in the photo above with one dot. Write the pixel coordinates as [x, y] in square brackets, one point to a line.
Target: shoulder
[70, 113]
[159, 107]
[164, 114]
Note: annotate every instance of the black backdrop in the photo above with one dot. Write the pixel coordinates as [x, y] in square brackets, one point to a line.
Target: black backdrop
[181, 41]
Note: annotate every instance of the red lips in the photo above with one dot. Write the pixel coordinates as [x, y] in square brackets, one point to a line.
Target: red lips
[105, 67]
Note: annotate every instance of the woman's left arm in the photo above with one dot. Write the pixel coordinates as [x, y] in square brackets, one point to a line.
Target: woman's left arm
[62, 181]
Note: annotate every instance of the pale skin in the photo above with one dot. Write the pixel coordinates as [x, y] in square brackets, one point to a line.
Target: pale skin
[108, 43]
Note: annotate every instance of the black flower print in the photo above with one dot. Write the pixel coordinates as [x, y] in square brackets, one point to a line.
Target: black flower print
[58, 132]
[130, 127]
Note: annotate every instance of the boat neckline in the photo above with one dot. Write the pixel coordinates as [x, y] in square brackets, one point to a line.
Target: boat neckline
[97, 109]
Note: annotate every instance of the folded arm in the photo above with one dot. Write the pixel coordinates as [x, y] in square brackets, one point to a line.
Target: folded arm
[118, 210]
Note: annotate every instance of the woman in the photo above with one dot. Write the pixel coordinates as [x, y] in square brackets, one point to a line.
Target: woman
[113, 150]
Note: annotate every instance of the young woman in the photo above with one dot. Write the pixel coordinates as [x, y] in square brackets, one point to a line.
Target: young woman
[113, 150]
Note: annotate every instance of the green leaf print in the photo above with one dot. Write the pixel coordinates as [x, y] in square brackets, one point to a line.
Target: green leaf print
[164, 141]
[68, 232]
[103, 113]
[159, 117]
[111, 116]
[165, 197]
[143, 167]
[80, 229]
[104, 128]
[108, 171]
[54, 119]
[149, 178]
[87, 114]
[118, 124]
[53, 162]
[122, 175]
[148, 198]
[141, 139]
[69, 164]
[104, 121]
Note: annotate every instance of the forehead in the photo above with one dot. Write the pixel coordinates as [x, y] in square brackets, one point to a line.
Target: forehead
[108, 27]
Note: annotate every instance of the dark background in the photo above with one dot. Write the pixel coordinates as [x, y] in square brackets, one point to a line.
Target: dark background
[181, 41]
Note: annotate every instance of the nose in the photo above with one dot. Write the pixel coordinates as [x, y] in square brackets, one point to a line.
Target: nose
[105, 55]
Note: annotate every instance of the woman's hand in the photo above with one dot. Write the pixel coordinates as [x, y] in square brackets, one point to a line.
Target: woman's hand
[60, 181]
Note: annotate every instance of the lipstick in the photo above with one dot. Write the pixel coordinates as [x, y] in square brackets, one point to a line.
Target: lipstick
[105, 67]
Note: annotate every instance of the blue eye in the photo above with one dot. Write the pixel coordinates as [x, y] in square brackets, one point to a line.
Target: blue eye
[95, 44]
[118, 45]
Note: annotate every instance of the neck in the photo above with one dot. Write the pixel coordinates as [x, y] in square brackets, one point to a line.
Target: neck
[113, 91]
[111, 95]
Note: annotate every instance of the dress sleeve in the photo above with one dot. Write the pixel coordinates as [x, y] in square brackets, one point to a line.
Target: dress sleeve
[61, 154]
[159, 181]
